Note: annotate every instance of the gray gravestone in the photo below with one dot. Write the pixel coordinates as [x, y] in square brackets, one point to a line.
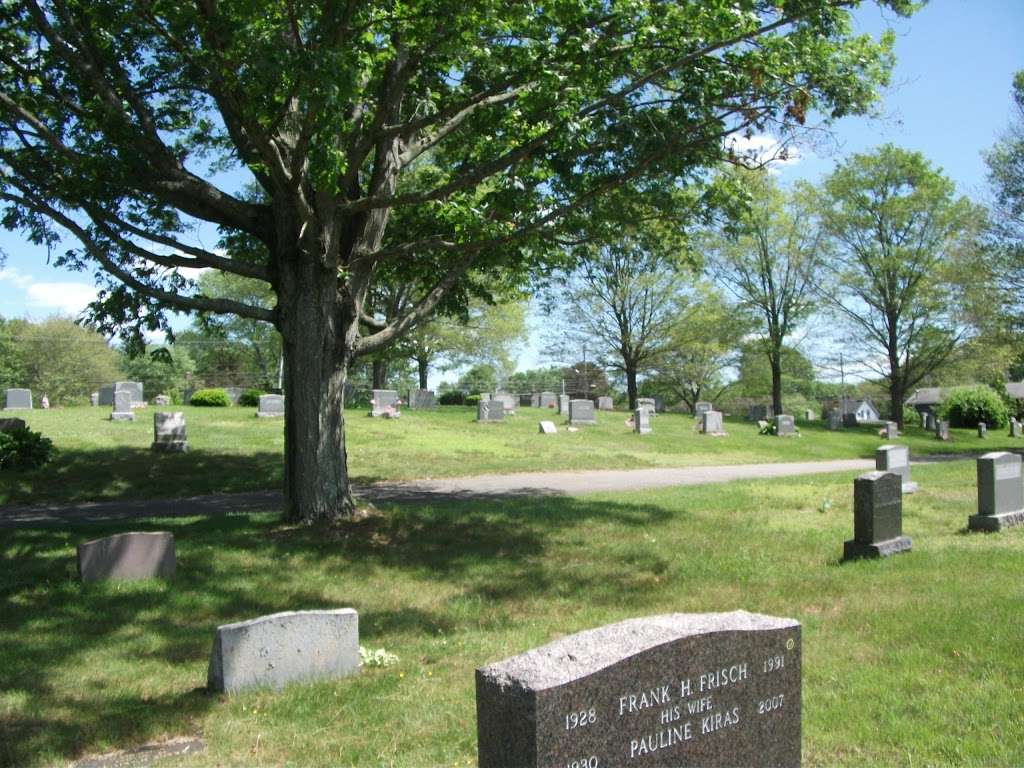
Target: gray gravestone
[700, 408]
[784, 425]
[892, 430]
[122, 409]
[94, 399]
[10, 425]
[942, 430]
[760, 413]
[508, 401]
[563, 405]
[106, 395]
[535, 400]
[422, 400]
[548, 400]
[490, 410]
[648, 403]
[896, 459]
[384, 402]
[642, 421]
[161, 400]
[982, 429]
[18, 400]
[835, 420]
[281, 648]
[877, 517]
[713, 689]
[711, 423]
[234, 393]
[808, 415]
[1015, 428]
[850, 420]
[605, 403]
[1000, 493]
[270, 406]
[134, 389]
[169, 432]
[548, 428]
[930, 421]
[128, 556]
[582, 412]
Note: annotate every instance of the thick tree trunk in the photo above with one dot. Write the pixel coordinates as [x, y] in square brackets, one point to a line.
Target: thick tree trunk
[422, 364]
[631, 386]
[775, 359]
[380, 374]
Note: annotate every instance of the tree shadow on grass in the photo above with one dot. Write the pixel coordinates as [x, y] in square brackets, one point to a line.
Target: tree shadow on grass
[238, 567]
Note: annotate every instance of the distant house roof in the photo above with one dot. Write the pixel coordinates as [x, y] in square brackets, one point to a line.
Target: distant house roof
[849, 405]
[935, 395]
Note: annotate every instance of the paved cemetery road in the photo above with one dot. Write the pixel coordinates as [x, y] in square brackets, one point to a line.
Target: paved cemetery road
[481, 487]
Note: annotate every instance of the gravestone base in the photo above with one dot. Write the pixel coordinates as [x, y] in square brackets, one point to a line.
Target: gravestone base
[910, 488]
[857, 550]
[261, 415]
[122, 416]
[170, 446]
[995, 522]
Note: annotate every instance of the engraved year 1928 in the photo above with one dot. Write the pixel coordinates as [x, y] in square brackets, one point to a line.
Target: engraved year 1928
[580, 719]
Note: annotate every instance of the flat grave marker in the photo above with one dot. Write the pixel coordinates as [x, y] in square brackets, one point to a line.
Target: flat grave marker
[128, 557]
[1000, 492]
[877, 517]
[548, 428]
[718, 689]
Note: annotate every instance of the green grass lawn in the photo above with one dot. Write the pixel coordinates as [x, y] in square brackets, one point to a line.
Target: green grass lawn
[231, 450]
[914, 660]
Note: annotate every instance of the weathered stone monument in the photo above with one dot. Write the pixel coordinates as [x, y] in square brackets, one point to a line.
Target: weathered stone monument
[941, 430]
[1015, 428]
[508, 401]
[281, 648]
[785, 426]
[648, 403]
[877, 517]
[582, 412]
[384, 403]
[835, 420]
[18, 400]
[128, 557]
[270, 406]
[711, 423]
[700, 408]
[122, 408]
[642, 421]
[422, 400]
[1000, 492]
[490, 411]
[548, 400]
[161, 400]
[563, 405]
[713, 689]
[982, 429]
[134, 390]
[547, 428]
[896, 459]
[11, 425]
[892, 430]
[605, 403]
[169, 432]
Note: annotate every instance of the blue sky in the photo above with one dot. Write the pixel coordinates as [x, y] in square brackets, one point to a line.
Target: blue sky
[950, 99]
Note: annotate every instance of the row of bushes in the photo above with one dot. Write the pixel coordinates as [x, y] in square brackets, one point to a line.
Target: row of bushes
[218, 398]
[969, 406]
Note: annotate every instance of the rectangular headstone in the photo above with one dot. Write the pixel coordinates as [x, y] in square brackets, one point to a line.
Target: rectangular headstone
[1015, 428]
[281, 648]
[535, 400]
[134, 389]
[605, 403]
[784, 425]
[270, 406]
[942, 430]
[563, 405]
[18, 400]
[490, 410]
[642, 421]
[892, 430]
[548, 428]
[982, 429]
[94, 399]
[128, 556]
[106, 395]
[877, 517]
[548, 400]
[507, 400]
[713, 689]
[647, 403]
[169, 432]
[1000, 492]
[930, 421]
[384, 402]
[760, 413]
[422, 400]
[835, 420]
[122, 409]
[896, 459]
[700, 408]
[581, 412]
[711, 423]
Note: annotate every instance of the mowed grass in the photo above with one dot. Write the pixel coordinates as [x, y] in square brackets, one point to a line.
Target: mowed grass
[232, 450]
[913, 660]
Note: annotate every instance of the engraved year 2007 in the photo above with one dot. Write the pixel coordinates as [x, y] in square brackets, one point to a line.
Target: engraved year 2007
[767, 705]
[580, 719]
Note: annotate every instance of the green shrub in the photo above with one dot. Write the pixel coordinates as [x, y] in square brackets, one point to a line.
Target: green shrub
[472, 399]
[967, 406]
[210, 398]
[250, 398]
[24, 449]
[455, 397]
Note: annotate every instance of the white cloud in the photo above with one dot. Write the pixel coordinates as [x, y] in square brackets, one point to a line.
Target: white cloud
[64, 297]
[11, 275]
[764, 149]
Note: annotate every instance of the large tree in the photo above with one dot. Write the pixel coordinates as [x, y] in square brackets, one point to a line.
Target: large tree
[135, 126]
[769, 259]
[893, 283]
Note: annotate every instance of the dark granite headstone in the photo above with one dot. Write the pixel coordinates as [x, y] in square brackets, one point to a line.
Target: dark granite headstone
[711, 423]
[122, 409]
[784, 425]
[270, 406]
[718, 689]
[106, 395]
[128, 556]
[1000, 492]
[490, 410]
[422, 400]
[581, 412]
[18, 400]
[877, 517]
[169, 432]
[384, 402]
[896, 459]
[642, 421]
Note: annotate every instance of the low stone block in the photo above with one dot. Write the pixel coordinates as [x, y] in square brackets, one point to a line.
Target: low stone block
[548, 428]
[10, 425]
[581, 412]
[128, 557]
[711, 423]
[270, 406]
[271, 651]
[605, 403]
[1000, 492]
